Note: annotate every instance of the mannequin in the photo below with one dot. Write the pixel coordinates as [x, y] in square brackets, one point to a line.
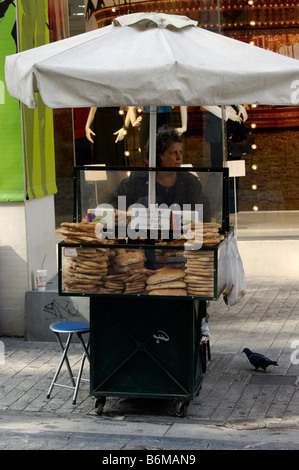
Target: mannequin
[184, 120]
[82, 145]
[229, 112]
[105, 150]
[88, 132]
[131, 118]
[213, 135]
[163, 117]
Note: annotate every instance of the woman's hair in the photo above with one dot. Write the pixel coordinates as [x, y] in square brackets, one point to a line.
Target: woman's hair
[165, 137]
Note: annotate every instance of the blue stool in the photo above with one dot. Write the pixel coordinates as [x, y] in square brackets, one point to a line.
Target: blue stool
[69, 328]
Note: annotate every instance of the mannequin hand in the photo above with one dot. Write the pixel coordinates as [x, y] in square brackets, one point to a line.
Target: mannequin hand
[137, 122]
[121, 133]
[242, 112]
[89, 133]
[235, 117]
[181, 130]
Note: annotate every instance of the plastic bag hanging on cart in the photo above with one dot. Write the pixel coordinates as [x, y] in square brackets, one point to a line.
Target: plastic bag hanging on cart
[235, 285]
[205, 331]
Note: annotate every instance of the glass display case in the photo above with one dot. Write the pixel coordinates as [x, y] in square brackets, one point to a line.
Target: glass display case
[131, 235]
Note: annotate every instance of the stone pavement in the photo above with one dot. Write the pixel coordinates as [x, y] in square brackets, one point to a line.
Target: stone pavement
[236, 408]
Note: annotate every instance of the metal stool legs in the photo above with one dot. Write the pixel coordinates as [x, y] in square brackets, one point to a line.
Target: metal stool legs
[64, 358]
[84, 356]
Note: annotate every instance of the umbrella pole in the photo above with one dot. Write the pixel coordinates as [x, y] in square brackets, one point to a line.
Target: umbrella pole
[236, 211]
[152, 154]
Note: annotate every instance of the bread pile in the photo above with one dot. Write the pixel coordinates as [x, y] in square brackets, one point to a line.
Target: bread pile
[112, 270]
[199, 270]
[127, 273]
[87, 270]
[128, 260]
[166, 281]
[169, 258]
[209, 235]
[83, 232]
[175, 242]
[107, 271]
[135, 283]
[113, 284]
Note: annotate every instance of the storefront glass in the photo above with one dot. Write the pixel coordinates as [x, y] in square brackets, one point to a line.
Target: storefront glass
[267, 196]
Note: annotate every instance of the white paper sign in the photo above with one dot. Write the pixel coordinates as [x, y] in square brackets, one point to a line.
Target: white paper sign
[236, 168]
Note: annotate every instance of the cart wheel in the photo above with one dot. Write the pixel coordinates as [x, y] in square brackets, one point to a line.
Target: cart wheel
[99, 405]
[181, 408]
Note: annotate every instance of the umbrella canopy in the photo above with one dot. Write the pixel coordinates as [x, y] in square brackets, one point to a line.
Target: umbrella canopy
[151, 59]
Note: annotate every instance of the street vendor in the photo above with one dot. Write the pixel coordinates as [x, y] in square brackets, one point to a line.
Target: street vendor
[172, 187]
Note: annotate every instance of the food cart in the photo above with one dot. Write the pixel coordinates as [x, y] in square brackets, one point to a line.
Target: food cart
[194, 67]
[147, 295]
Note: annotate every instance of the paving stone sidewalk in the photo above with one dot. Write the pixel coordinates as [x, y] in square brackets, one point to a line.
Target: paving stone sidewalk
[232, 395]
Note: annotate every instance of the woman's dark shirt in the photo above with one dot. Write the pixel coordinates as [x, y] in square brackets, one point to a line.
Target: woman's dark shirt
[187, 190]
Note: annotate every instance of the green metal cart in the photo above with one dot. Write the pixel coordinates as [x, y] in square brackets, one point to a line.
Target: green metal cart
[147, 347]
[141, 345]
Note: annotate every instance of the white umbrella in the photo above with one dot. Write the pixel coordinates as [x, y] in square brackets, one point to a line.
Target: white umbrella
[151, 59]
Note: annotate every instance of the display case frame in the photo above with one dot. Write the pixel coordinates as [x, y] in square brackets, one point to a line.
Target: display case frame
[218, 266]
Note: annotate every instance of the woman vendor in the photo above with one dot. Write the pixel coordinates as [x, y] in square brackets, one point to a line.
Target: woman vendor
[172, 187]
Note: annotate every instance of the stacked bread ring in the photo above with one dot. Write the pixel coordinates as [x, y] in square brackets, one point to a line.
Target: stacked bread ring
[87, 270]
[113, 270]
[199, 270]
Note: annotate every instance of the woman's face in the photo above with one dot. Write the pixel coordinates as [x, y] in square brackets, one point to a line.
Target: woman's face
[173, 157]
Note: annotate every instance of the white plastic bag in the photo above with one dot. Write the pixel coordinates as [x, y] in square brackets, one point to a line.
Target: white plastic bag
[235, 285]
[205, 331]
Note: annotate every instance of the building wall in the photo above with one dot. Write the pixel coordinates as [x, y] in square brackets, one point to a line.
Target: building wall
[26, 238]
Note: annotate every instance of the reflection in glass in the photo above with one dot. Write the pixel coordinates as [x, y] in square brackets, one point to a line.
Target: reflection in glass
[95, 187]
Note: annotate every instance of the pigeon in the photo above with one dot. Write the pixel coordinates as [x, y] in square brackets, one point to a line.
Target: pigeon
[258, 360]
